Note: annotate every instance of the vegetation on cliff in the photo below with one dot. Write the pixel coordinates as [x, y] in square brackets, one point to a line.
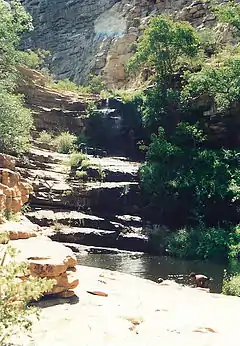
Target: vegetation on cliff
[191, 177]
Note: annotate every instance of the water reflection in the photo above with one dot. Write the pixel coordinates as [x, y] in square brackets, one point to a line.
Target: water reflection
[153, 267]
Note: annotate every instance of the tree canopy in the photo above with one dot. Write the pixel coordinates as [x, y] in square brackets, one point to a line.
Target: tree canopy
[163, 45]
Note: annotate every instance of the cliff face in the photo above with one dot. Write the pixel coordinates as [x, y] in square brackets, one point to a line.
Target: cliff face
[97, 36]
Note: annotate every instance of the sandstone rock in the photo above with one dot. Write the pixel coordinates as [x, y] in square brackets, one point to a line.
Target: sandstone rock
[86, 236]
[48, 259]
[7, 161]
[13, 192]
[133, 242]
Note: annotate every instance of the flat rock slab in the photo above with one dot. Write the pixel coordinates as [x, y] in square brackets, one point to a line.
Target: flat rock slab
[136, 312]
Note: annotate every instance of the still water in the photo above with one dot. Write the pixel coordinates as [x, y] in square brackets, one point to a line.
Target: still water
[153, 267]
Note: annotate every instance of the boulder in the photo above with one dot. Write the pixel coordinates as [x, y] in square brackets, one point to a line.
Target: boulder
[48, 259]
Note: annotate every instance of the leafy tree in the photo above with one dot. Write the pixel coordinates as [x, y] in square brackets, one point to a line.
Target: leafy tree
[15, 123]
[15, 119]
[180, 178]
[14, 22]
[221, 81]
[164, 45]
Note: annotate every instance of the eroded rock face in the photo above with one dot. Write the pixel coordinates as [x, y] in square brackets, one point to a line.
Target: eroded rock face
[13, 191]
[97, 36]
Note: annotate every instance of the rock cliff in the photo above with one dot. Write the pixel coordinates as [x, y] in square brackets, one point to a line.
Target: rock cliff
[98, 36]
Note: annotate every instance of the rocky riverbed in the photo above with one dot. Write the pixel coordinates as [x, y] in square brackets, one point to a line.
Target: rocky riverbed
[135, 312]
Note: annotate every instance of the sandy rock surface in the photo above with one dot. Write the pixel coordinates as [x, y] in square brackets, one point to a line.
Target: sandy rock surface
[136, 312]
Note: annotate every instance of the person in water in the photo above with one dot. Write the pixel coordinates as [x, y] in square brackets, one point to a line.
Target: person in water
[200, 280]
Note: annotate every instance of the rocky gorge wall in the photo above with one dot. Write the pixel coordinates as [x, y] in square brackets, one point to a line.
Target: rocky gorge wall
[95, 36]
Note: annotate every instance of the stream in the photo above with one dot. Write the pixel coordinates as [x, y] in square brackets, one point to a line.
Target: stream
[153, 267]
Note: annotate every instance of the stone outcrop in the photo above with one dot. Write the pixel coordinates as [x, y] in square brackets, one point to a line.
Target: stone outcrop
[98, 36]
[48, 259]
[14, 192]
[54, 111]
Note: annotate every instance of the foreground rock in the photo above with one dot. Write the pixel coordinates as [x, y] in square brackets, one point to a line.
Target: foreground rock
[136, 312]
[48, 259]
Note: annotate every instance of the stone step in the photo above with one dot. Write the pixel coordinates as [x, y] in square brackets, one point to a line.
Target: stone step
[82, 250]
[115, 197]
[100, 238]
[47, 218]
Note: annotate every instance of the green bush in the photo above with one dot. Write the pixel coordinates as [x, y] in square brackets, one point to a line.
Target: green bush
[81, 175]
[231, 287]
[180, 178]
[45, 137]
[15, 295]
[200, 242]
[77, 160]
[65, 142]
[15, 123]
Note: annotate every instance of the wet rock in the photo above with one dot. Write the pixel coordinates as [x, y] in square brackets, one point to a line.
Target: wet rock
[133, 242]
[85, 236]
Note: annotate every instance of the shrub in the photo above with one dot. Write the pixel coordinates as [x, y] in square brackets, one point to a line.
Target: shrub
[189, 182]
[81, 175]
[15, 123]
[65, 142]
[67, 85]
[231, 286]
[45, 137]
[76, 160]
[199, 242]
[15, 295]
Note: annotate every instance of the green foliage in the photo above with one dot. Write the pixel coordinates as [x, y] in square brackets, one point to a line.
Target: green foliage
[200, 242]
[15, 295]
[34, 59]
[15, 120]
[15, 123]
[76, 160]
[14, 22]
[45, 137]
[81, 175]
[208, 41]
[67, 85]
[229, 13]
[222, 82]
[163, 45]
[190, 181]
[95, 85]
[65, 142]
[231, 286]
